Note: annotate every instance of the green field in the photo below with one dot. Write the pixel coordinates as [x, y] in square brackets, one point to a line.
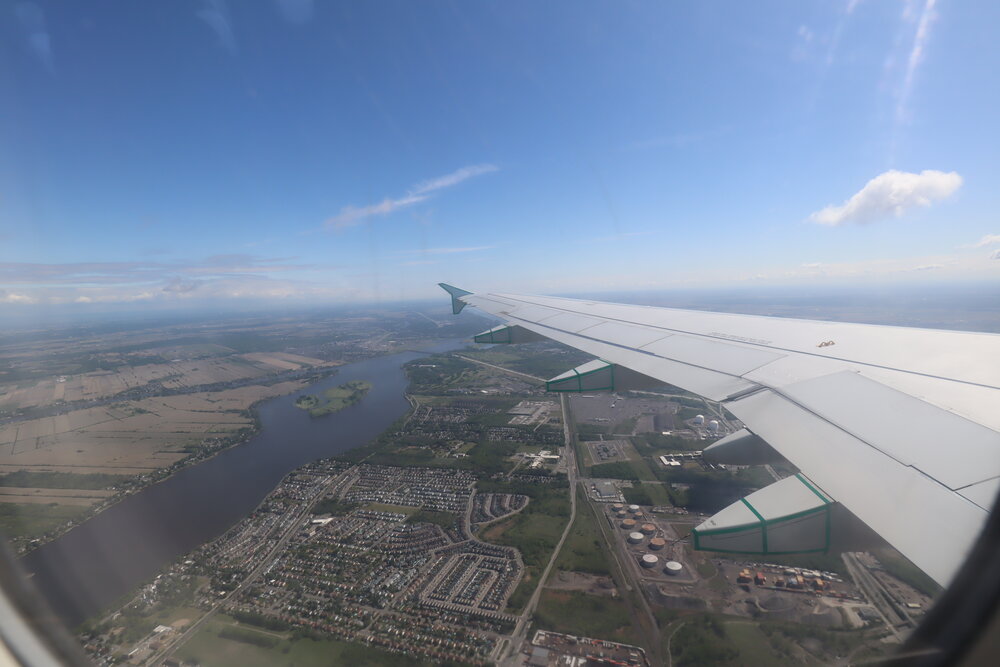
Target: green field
[534, 531]
[398, 509]
[582, 551]
[585, 615]
[647, 494]
[719, 640]
[334, 399]
[444, 519]
[209, 649]
[35, 519]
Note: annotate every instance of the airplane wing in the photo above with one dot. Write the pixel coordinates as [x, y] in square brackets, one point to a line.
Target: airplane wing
[900, 426]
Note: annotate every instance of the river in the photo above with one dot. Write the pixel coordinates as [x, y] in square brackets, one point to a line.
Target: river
[84, 571]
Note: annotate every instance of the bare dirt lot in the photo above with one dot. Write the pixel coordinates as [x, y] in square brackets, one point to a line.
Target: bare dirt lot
[581, 581]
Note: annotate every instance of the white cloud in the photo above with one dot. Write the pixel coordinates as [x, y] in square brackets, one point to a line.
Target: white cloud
[890, 194]
[987, 240]
[995, 254]
[216, 15]
[11, 297]
[920, 37]
[351, 216]
[451, 179]
[927, 267]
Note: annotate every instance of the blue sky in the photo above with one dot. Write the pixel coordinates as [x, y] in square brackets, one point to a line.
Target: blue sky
[162, 153]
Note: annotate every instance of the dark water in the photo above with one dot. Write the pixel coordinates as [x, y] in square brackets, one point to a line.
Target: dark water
[88, 568]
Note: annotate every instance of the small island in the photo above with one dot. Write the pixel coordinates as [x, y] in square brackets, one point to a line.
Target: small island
[333, 400]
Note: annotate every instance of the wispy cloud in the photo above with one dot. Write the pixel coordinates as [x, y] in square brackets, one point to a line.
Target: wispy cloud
[295, 11]
[453, 178]
[890, 194]
[32, 20]
[215, 13]
[988, 240]
[12, 297]
[916, 56]
[351, 216]
[995, 254]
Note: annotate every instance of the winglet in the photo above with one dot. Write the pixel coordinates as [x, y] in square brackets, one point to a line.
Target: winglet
[456, 305]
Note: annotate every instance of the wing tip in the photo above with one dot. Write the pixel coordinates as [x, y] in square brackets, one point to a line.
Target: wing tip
[456, 293]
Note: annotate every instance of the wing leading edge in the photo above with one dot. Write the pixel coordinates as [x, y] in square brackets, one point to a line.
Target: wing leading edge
[898, 425]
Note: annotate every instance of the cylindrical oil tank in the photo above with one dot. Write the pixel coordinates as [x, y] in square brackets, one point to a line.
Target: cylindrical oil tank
[622, 515]
[648, 528]
[673, 567]
[617, 507]
[638, 515]
[657, 543]
[633, 508]
[635, 538]
[649, 560]
[628, 524]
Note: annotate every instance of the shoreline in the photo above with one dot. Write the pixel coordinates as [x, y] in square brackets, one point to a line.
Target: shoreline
[127, 598]
[22, 547]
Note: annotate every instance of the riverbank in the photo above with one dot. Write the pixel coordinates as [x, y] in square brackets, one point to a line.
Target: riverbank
[106, 557]
[206, 450]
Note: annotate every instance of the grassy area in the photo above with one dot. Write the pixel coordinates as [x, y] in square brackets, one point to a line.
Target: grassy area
[583, 551]
[585, 615]
[544, 360]
[443, 519]
[35, 519]
[208, 648]
[332, 506]
[61, 480]
[647, 494]
[334, 399]
[534, 531]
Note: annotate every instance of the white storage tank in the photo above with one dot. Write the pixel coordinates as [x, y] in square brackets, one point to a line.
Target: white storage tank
[633, 508]
[649, 560]
[699, 420]
[635, 538]
[673, 567]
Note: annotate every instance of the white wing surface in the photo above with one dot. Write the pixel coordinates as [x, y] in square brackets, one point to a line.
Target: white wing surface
[901, 426]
